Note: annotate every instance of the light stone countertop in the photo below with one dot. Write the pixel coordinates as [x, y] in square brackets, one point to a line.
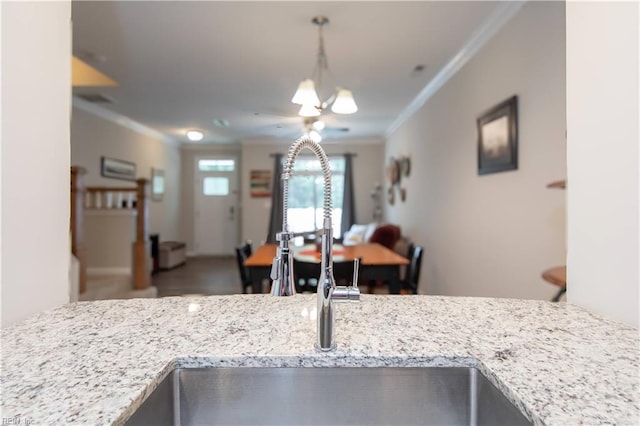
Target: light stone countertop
[94, 363]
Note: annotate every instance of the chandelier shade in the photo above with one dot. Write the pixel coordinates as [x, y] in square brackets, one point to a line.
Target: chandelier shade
[306, 93]
[309, 110]
[344, 103]
[309, 93]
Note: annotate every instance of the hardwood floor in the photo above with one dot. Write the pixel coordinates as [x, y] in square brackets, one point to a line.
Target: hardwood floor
[200, 276]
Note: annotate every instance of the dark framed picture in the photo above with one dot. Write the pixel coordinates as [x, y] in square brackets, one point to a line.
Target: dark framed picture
[498, 138]
[117, 169]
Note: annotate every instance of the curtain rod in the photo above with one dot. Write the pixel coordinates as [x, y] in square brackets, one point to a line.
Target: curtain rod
[353, 154]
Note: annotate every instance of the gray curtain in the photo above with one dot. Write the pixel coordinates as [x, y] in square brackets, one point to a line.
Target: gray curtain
[348, 202]
[275, 220]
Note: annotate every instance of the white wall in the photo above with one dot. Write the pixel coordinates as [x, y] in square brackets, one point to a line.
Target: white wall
[107, 237]
[36, 81]
[93, 137]
[602, 121]
[491, 235]
[256, 155]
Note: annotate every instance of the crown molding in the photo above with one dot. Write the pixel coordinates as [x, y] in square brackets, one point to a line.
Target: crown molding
[122, 120]
[503, 14]
[222, 148]
[271, 141]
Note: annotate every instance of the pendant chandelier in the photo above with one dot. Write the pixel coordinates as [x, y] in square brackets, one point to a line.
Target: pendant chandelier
[312, 129]
[341, 100]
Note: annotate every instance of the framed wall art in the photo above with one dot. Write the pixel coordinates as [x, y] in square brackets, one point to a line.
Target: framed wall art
[405, 163]
[117, 169]
[394, 171]
[498, 138]
[260, 182]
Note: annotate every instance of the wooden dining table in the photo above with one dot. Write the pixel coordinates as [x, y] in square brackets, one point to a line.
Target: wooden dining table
[376, 262]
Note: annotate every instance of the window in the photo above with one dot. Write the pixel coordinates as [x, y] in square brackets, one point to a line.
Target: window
[306, 195]
[210, 165]
[212, 186]
[157, 184]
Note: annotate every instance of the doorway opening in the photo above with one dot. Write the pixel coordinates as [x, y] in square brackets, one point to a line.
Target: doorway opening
[216, 226]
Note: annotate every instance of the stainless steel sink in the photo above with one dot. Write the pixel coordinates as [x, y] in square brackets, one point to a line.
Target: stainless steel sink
[327, 396]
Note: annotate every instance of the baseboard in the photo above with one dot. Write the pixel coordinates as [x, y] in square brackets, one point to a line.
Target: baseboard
[109, 271]
[110, 211]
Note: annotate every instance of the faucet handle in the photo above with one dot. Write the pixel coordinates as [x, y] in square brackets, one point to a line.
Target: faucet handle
[348, 293]
[356, 268]
[275, 267]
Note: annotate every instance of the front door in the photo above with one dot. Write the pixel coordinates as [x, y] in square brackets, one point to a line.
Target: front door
[216, 205]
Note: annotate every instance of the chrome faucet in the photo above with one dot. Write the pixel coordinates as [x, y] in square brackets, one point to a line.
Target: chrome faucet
[282, 267]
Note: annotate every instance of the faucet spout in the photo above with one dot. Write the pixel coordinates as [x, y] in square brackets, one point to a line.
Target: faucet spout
[282, 269]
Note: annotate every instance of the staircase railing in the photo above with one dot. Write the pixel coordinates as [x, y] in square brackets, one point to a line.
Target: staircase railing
[77, 224]
[111, 198]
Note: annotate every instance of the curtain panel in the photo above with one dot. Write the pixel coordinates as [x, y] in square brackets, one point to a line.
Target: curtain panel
[348, 201]
[276, 216]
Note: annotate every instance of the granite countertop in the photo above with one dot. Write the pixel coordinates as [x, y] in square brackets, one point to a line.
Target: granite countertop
[94, 362]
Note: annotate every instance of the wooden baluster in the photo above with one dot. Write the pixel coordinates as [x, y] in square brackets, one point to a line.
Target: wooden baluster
[77, 223]
[141, 247]
[119, 196]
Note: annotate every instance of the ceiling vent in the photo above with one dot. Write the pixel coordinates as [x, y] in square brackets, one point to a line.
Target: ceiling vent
[96, 98]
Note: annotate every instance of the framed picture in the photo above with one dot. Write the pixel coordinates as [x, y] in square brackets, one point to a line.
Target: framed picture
[498, 138]
[157, 184]
[117, 169]
[394, 171]
[260, 181]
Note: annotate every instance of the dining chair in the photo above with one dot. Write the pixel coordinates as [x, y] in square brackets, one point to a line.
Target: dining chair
[242, 253]
[305, 275]
[404, 269]
[410, 248]
[412, 278]
[343, 271]
[247, 248]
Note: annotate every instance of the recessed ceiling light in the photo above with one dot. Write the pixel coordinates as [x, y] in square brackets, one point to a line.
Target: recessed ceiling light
[220, 122]
[195, 135]
[418, 69]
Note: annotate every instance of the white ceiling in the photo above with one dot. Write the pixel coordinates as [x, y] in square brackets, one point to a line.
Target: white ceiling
[180, 65]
